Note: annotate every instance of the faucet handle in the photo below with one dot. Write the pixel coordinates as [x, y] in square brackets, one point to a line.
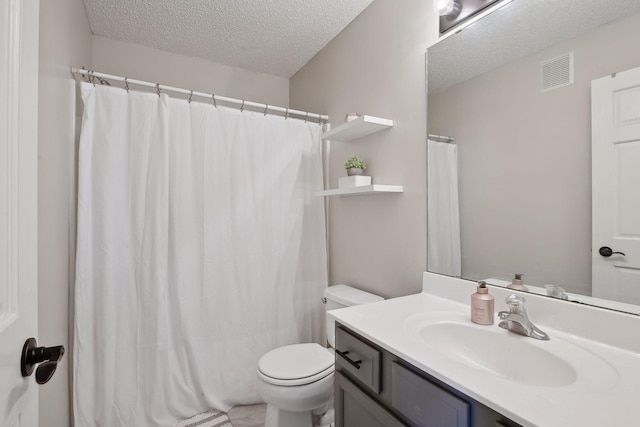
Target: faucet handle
[515, 303]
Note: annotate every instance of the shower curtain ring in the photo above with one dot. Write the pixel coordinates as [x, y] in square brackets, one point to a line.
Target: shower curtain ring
[319, 119]
[92, 78]
[190, 96]
[286, 114]
[306, 117]
[242, 106]
[266, 107]
[213, 97]
[126, 84]
[158, 89]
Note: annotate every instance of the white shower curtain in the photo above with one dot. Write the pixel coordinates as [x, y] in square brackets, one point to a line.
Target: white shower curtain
[201, 246]
[443, 209]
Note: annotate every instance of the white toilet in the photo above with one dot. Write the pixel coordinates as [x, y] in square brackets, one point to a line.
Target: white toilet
[296, 380]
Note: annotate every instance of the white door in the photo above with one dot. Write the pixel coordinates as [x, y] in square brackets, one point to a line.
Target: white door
[18, 206]
[615, 110]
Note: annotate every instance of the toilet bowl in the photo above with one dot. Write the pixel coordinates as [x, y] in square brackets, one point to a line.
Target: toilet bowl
[296, 381]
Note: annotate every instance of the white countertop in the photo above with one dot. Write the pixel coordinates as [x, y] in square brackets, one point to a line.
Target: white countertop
[607, 395]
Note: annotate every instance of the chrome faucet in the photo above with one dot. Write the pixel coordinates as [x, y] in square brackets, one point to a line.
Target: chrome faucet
[516, 319]
[556, 292]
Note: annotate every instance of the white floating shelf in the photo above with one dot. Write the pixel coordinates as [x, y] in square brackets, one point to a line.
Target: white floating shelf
[357, 128]
[361, 191]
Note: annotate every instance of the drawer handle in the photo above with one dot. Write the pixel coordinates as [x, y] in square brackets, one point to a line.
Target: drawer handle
[354, 363]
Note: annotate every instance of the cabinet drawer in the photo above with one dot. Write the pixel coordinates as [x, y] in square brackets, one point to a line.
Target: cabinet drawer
[424, 403]
[359, 359]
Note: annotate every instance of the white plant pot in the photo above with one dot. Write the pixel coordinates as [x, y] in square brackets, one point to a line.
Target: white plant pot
[354, 181]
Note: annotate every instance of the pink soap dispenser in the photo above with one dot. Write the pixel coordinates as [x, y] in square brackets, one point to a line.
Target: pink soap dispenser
[482, 305]
[517, 283]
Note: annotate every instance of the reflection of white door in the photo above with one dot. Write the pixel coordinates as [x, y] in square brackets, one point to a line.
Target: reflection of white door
[615, 110]
[18, 214]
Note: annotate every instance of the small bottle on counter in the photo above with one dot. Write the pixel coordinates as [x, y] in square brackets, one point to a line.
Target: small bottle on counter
[482, 305]
[517, 283]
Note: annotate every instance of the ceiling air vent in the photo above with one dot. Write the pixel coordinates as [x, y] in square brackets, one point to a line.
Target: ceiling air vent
[556, 73]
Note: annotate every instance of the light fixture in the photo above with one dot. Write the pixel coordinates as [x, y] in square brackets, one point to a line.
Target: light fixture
[458, 14]
[444, 7]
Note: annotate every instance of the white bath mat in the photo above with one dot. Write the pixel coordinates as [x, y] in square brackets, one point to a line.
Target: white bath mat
[207, 419]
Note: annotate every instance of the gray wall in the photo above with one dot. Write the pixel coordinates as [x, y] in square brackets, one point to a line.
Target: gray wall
[525, 161]
[65, 40]
[144, 63]
[376, 66]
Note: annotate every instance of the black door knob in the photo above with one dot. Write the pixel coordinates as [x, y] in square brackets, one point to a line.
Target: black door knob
[606, 252]
[48, 356]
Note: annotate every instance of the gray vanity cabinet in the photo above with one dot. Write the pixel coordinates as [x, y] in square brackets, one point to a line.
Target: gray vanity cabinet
[374, 388]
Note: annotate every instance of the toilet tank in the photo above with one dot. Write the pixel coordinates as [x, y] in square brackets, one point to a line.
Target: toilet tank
[340, 296]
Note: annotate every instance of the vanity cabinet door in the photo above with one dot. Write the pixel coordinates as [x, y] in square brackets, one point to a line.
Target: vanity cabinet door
[424, 403]
[355, 409]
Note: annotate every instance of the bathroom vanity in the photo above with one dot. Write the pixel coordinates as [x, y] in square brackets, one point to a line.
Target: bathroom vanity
[419, 361]
[379, 389]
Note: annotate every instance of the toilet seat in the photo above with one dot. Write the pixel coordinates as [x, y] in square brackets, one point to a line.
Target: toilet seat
[296, 365]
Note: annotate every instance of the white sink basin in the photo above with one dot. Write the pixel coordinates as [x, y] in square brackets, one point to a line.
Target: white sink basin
[509, 357]
[506, 355]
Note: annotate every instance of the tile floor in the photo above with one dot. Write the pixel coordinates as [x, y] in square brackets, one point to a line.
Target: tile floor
[248, 416]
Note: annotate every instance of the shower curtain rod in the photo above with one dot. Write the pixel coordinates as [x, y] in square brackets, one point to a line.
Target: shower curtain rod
[215, 98]
[442, 138]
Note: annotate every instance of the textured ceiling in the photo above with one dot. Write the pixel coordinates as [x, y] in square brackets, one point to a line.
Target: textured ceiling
[518, 30]
[274, 37]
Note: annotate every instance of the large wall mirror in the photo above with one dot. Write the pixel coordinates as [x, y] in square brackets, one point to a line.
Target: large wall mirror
[542, 101]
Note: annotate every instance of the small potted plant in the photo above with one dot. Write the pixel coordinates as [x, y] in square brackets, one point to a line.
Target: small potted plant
[355, 166]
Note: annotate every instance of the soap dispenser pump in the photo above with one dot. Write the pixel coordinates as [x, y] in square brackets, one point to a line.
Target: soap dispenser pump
[517, 284]
[482, 305]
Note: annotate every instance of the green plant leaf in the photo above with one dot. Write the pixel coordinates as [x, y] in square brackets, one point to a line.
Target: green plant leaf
[355, 162]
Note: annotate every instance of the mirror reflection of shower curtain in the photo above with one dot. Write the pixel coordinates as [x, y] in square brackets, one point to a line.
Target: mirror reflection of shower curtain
[201, 246]
[443, 209]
